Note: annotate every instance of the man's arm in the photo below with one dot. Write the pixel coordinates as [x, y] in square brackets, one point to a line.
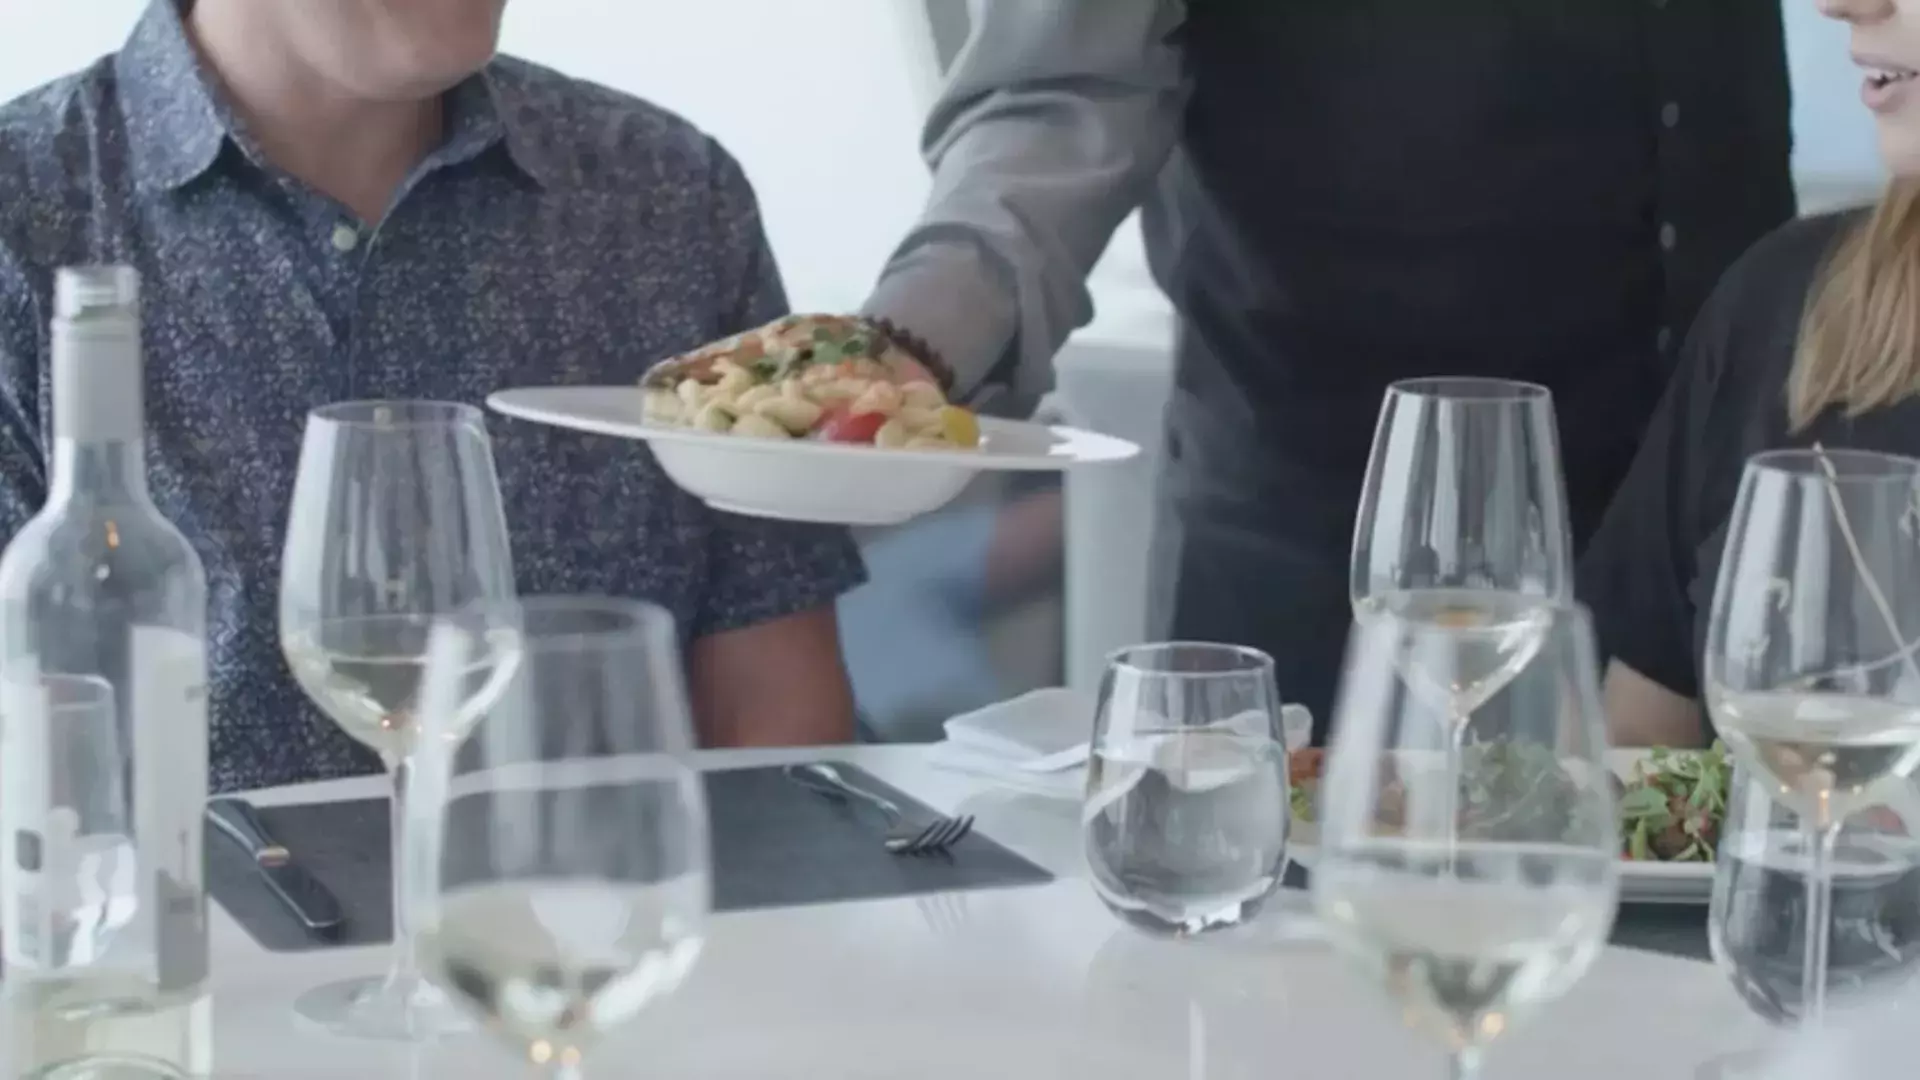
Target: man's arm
[1056, 120]
[23, 475]
[777, 683]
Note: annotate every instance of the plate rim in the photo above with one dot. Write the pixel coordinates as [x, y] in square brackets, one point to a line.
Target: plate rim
[1077, 446]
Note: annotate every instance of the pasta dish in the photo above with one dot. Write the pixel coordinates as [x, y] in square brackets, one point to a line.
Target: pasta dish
[827, 378]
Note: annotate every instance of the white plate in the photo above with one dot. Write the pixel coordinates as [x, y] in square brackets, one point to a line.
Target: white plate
[1640, 882]
[805, 480]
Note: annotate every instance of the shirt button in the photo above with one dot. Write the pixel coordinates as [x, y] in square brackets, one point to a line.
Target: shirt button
[345, 238]
[1669, 237]
[1670, 114]
[1664, 339]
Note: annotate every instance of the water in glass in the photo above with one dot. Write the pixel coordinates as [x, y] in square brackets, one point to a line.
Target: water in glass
[1186, 815]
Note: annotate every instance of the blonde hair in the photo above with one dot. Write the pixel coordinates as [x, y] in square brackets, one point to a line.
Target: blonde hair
[1860, 338]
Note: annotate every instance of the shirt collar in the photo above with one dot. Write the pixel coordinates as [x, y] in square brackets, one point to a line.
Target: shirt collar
[174, 126]
[177, 121]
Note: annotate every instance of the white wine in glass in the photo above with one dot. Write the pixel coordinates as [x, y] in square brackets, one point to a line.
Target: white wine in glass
[365, 673]
[1473, 888]
[1811, 675]
[396, 520]
[551, 962]
[562, 842]
[1497, 635]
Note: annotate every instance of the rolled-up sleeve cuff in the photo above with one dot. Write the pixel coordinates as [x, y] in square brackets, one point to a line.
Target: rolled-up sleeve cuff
[766, 570]
[946, 295]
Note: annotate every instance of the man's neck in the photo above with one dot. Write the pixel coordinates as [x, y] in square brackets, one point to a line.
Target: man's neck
[355, 150]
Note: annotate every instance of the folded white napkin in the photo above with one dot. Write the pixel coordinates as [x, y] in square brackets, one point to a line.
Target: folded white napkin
[1038, 741]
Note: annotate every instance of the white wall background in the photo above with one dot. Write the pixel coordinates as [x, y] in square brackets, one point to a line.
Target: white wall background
[831, 146]
[821, 100]
[1832, 130]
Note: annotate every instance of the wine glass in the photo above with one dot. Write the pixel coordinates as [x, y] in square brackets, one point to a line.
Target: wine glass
[1757, 926]
[1186, 815]
[1810, 673]
[562, 846]
[1463, 524]
[396, 519]
[1473, 896]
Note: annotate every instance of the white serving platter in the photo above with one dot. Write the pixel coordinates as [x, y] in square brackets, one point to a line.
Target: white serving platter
[806, 480]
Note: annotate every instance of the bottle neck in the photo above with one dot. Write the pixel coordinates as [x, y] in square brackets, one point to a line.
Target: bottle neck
[98, 471]
[99, 422]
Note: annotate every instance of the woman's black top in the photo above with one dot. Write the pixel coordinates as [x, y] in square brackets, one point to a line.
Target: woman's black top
[1649, 574]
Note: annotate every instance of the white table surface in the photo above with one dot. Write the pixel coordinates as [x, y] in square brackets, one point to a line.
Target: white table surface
[1035, 982]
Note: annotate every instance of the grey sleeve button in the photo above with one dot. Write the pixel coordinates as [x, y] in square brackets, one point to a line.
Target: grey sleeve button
[345, 238]
[1670, 114]
[1669, 236]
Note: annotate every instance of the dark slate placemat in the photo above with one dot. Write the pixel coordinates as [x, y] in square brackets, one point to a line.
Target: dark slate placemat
[775, 844]
[1670, 929]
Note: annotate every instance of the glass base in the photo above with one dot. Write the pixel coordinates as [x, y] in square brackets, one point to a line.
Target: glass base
[109, 1069]
[1739, 1065]
[375, 1009]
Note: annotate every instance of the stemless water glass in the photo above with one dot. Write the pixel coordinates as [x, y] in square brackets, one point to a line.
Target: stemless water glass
[1758, 923]
[1811, 676]
[1186, 816]
[1473, 897]
[562, 845]
[396, 519]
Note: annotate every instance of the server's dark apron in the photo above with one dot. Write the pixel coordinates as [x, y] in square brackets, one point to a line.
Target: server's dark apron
[1369, 190]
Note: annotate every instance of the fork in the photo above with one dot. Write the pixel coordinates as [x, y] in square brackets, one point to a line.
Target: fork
[905, 836]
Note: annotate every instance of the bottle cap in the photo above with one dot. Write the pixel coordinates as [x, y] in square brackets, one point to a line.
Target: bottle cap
[80, 291]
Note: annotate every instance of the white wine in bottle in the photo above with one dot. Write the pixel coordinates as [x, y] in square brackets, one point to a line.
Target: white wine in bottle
[103, 734]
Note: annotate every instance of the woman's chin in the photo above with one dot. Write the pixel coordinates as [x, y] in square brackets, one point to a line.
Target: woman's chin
[1900, 147]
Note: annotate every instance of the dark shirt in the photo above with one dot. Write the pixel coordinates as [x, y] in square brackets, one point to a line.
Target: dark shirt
[561, 233]
[1372, 190]
[1649, 575]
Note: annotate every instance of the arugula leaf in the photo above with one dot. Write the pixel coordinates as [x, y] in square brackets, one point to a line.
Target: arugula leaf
[1638, 845]
[1300, 798]
[1646, 805]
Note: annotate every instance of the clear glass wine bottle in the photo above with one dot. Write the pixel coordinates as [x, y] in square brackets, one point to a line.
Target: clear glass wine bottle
[103, 732]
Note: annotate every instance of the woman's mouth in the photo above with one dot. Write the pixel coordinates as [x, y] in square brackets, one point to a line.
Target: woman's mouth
[1885, 85]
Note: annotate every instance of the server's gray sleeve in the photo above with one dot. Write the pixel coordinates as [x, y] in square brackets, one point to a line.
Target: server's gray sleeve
[1057, 117]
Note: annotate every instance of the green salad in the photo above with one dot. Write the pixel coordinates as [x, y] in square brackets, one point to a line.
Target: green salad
[1671, 805]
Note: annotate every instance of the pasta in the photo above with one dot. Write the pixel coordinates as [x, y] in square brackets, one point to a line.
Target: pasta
[807, 377]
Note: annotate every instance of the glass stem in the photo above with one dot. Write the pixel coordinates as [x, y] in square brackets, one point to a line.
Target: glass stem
[1463, 1064]
[1450, 799]
[403, 974]
[1821, 837]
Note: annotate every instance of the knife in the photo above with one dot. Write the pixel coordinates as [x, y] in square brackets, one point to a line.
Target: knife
[310, 901]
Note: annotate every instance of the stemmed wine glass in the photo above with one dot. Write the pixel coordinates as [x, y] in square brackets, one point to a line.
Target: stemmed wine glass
[1463, 525]
[562, 844]
[1810, 670]
[1474, 897]
[396, 519]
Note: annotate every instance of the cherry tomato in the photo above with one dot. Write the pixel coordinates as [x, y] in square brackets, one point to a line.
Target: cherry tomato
[1885, 820]
[841, 425]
